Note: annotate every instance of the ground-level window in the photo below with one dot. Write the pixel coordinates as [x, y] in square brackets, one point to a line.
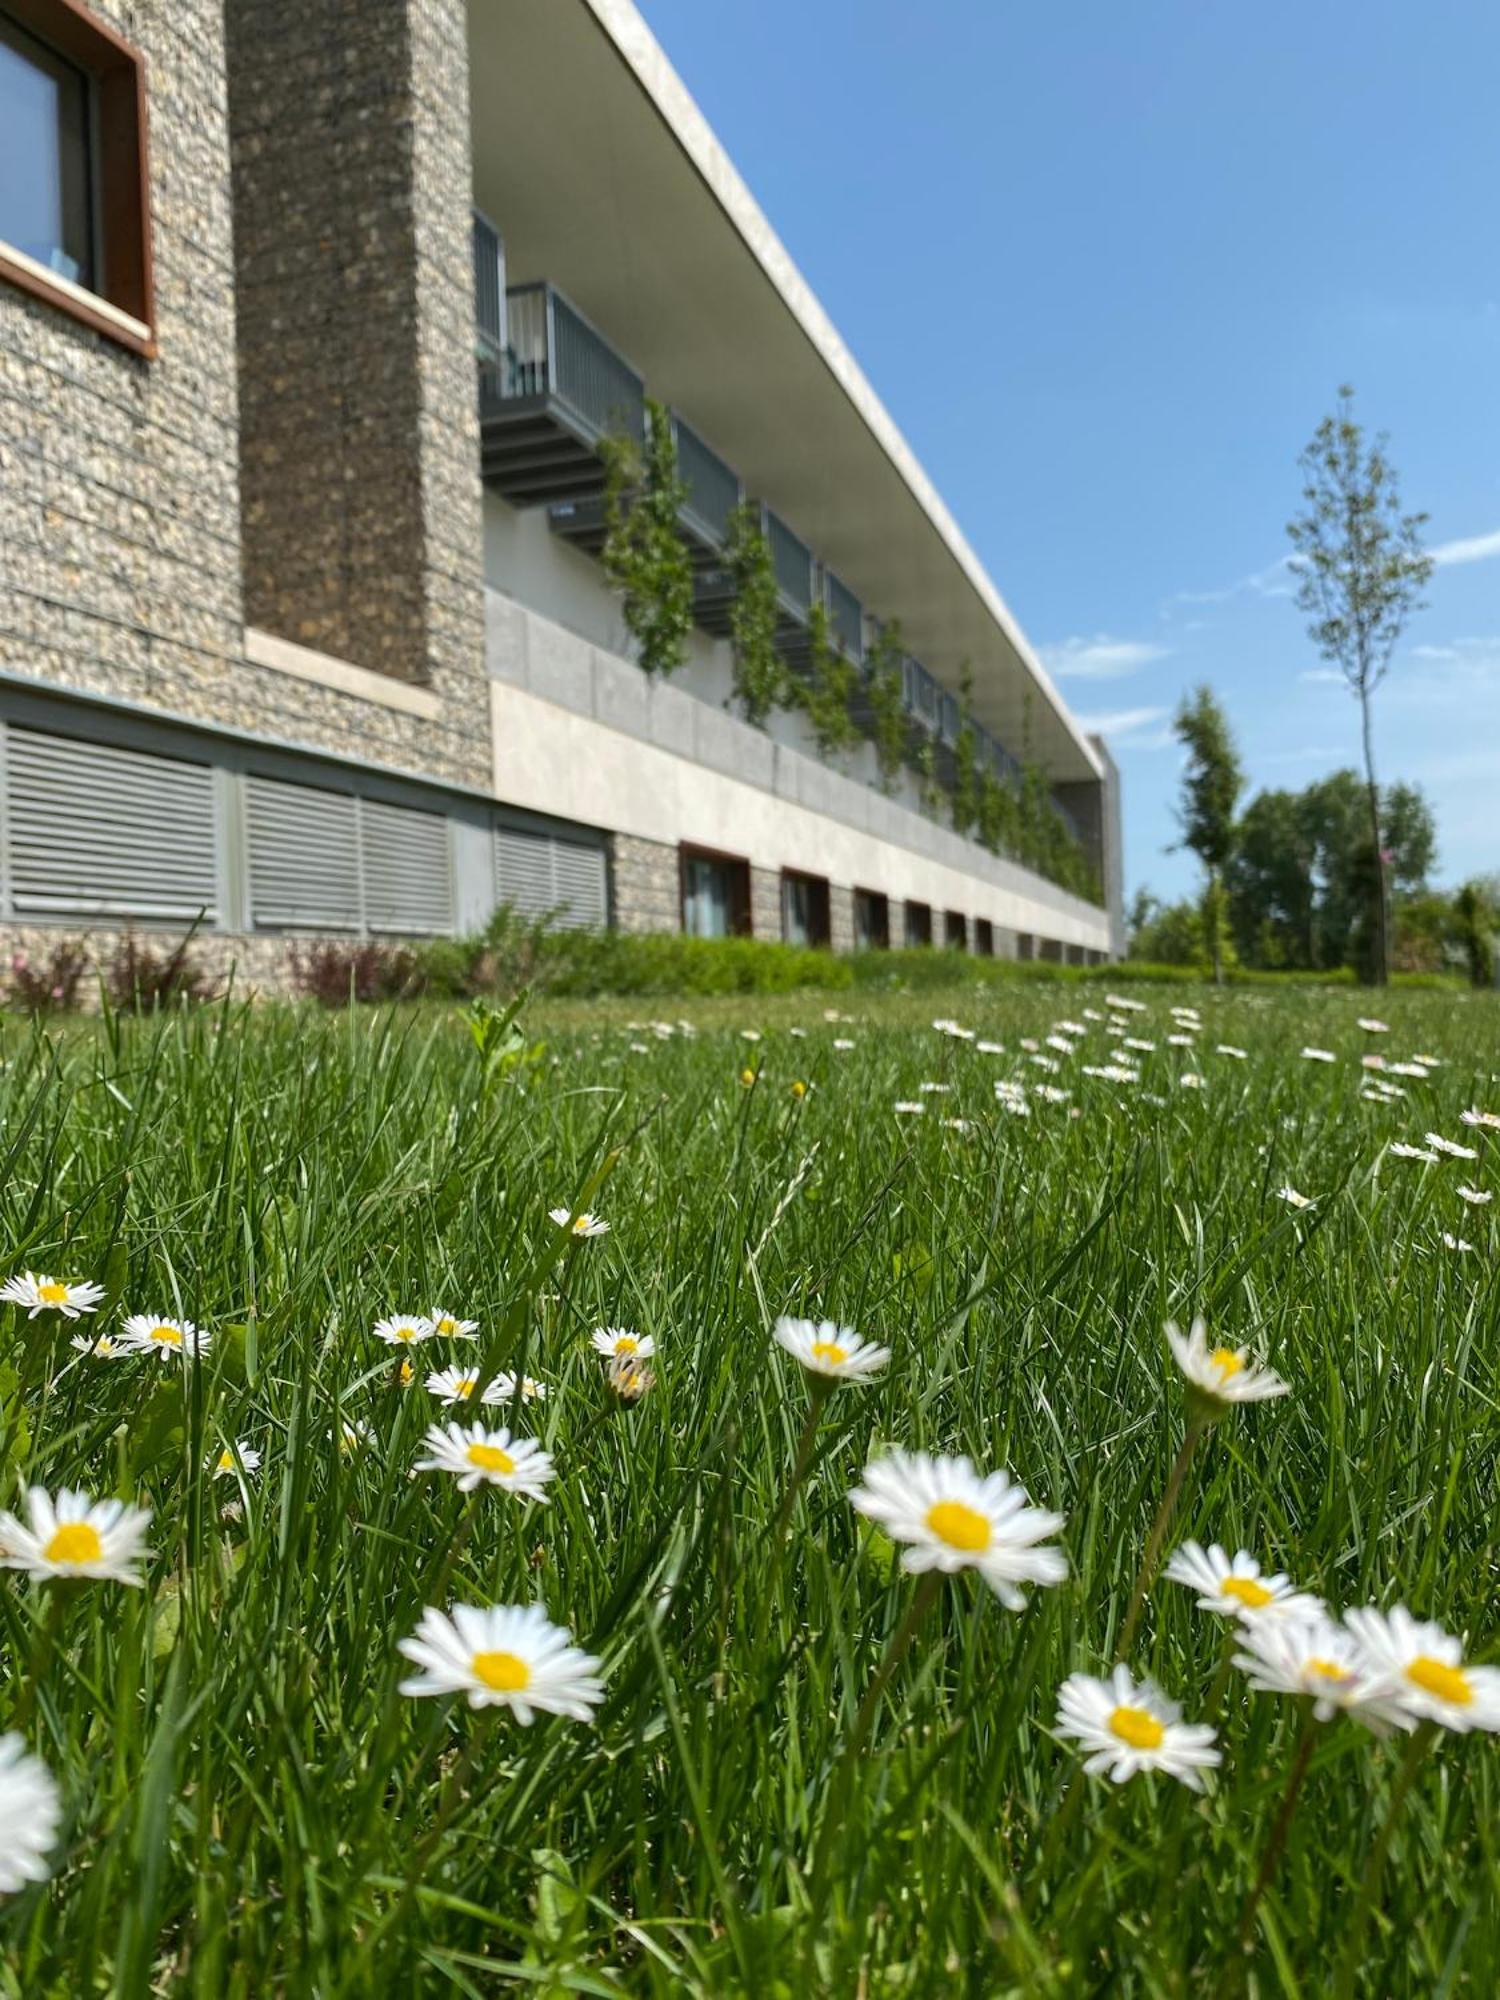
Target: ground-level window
[715, 894]
[918, 923]
[955, 930]
[74, 214]
[804, 908]
[984, 937]
[872, 920]
[1025, 945]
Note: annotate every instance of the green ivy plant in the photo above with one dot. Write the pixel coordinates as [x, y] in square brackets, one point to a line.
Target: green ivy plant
[887, 701]
[827, 697]
[760, 681]
[644, 555]
[965, 803]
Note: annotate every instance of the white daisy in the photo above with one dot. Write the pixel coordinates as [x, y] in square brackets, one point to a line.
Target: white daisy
[1401, 1151]
[904, 1109]
[952, 1518]
[30, 1815]
[824, 1348]
[75, 1536]
[1235, 1588]
[630, 1379]
[841, 1043]
[234, 1458]
[448, 1326]
[404, 1329]
[1426, 1669]
[1451, 1147]
[147, 1333]
[354, 1435]
[1180, 1041]
[1138, 1043]
[1128, 1729]
[934, 1089]
[1221, 1374]
[1452, 1242]
[457, 1385]
[503, 1656]
[990, 1048]
[482, 1457]
[1190, 1080]
[1475, 1197]
[1124, 1006]
[1318, 1658]
[585, 1224]
[532, 1391]
[1373, 1027]
[35, 1292]
[1319, 1055]
[619, 1343]
[103, 1346]
[1290, 1196]
[1489, 1119]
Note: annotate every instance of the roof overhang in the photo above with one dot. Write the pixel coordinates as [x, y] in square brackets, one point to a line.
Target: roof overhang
[605, 178]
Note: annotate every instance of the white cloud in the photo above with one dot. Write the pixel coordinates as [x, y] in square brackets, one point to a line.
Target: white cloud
[1100, 658]
[1467, 549]
[1320, 675]
[1275, 580]
[1129, 726]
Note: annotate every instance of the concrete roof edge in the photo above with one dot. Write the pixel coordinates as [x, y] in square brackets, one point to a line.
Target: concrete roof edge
[648, 62]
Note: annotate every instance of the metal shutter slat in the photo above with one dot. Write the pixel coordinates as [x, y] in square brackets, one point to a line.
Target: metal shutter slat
[304, 857]
[407, 874]
[541, 873]
[523, 871]
[99, 831]
[580, 879]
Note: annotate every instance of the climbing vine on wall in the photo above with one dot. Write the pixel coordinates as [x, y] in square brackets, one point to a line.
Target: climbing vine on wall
[760, 681]
[644, 555]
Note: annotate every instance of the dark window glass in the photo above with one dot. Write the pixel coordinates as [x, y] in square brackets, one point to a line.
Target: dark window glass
[715, 896]
[45, 209]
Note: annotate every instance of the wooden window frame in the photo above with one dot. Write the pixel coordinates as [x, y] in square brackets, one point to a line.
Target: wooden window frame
[821, 930]
[742, 921]
[116, 71]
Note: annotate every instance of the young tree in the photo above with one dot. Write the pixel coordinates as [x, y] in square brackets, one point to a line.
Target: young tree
[888, 727]
[644, 555]
[760, 681]
[1361, 571]
[827, 695]
[1211, 788]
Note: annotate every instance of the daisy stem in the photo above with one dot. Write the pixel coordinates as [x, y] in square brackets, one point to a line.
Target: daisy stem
[834, 1816]
[1281, 1826]
[1147, 1572]
[819, 1393]
[1375, 1864]
[44, 1651]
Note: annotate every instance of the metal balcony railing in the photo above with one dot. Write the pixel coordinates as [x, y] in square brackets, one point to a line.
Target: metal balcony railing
[846, 616]
[950, 718]
[553, 351]
[489, 291]
[920, 693]
[793, 563]
[713, 488]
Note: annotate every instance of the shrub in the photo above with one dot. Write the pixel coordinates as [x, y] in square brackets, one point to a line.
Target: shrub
[48, 985]
[333, 974]
[137, 976]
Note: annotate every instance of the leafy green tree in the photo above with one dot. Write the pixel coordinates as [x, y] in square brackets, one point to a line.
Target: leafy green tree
[1361, 571]
[828, 694]
[1165, 933]
[644, 555]
[887, 698]
[760, 681]
[966, 771]
[1211, 787]
[1476, 923]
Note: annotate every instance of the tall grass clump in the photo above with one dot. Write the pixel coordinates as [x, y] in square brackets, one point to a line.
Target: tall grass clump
[793, 1498]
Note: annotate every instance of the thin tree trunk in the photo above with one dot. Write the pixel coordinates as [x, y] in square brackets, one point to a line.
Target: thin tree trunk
[1382, 964]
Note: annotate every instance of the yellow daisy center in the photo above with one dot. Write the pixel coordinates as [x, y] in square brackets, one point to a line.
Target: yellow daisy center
[1328, 1670]
[104, 1345]
[167, 1336]
[959, 1526]
[799, 1090]
[1227, 1362]
[53, 1294]
[580, 1227]
[627, 1344]
[446, 1325]
[1435, 1677]
[506, 1673]
[490, 1458]
[226, 1461]
[829, 1351]
[74, 1542]
[1245, 1590]
[464, 1386]
[1136, 1726]
[406, 1373]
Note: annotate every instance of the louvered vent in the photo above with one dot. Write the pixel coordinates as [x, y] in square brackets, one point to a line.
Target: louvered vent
[97, 831]
[304, 857]
[538, 872]
[408, 878]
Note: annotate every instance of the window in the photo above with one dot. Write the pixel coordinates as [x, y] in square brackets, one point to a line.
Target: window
[804, 908]
[541, 873]
[955, 930]
[715, 894]
[984, 937]
[918, 924]
[74, 207]
[872, 921]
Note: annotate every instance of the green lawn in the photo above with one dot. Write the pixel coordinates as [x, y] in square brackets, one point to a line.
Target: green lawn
[811, 1772]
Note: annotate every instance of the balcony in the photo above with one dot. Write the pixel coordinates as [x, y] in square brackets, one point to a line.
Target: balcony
[846, 618]
[796, 579]
[551, 389]
[712, 494]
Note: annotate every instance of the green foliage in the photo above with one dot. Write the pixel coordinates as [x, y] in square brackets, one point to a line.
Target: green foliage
[827, 696]
[888, 726]
[1211, 785]
[644, 555]
[966, 771]
[760, 680]
[1476, 922]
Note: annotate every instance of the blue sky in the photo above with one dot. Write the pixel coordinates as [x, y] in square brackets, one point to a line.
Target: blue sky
[1107, 265]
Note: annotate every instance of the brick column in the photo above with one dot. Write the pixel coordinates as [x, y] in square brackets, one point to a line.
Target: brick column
[840, 917]
[765, 903]
[349, 124]
[647, 884]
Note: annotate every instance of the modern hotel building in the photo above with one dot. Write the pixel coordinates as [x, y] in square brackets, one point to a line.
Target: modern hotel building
[315, 318]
